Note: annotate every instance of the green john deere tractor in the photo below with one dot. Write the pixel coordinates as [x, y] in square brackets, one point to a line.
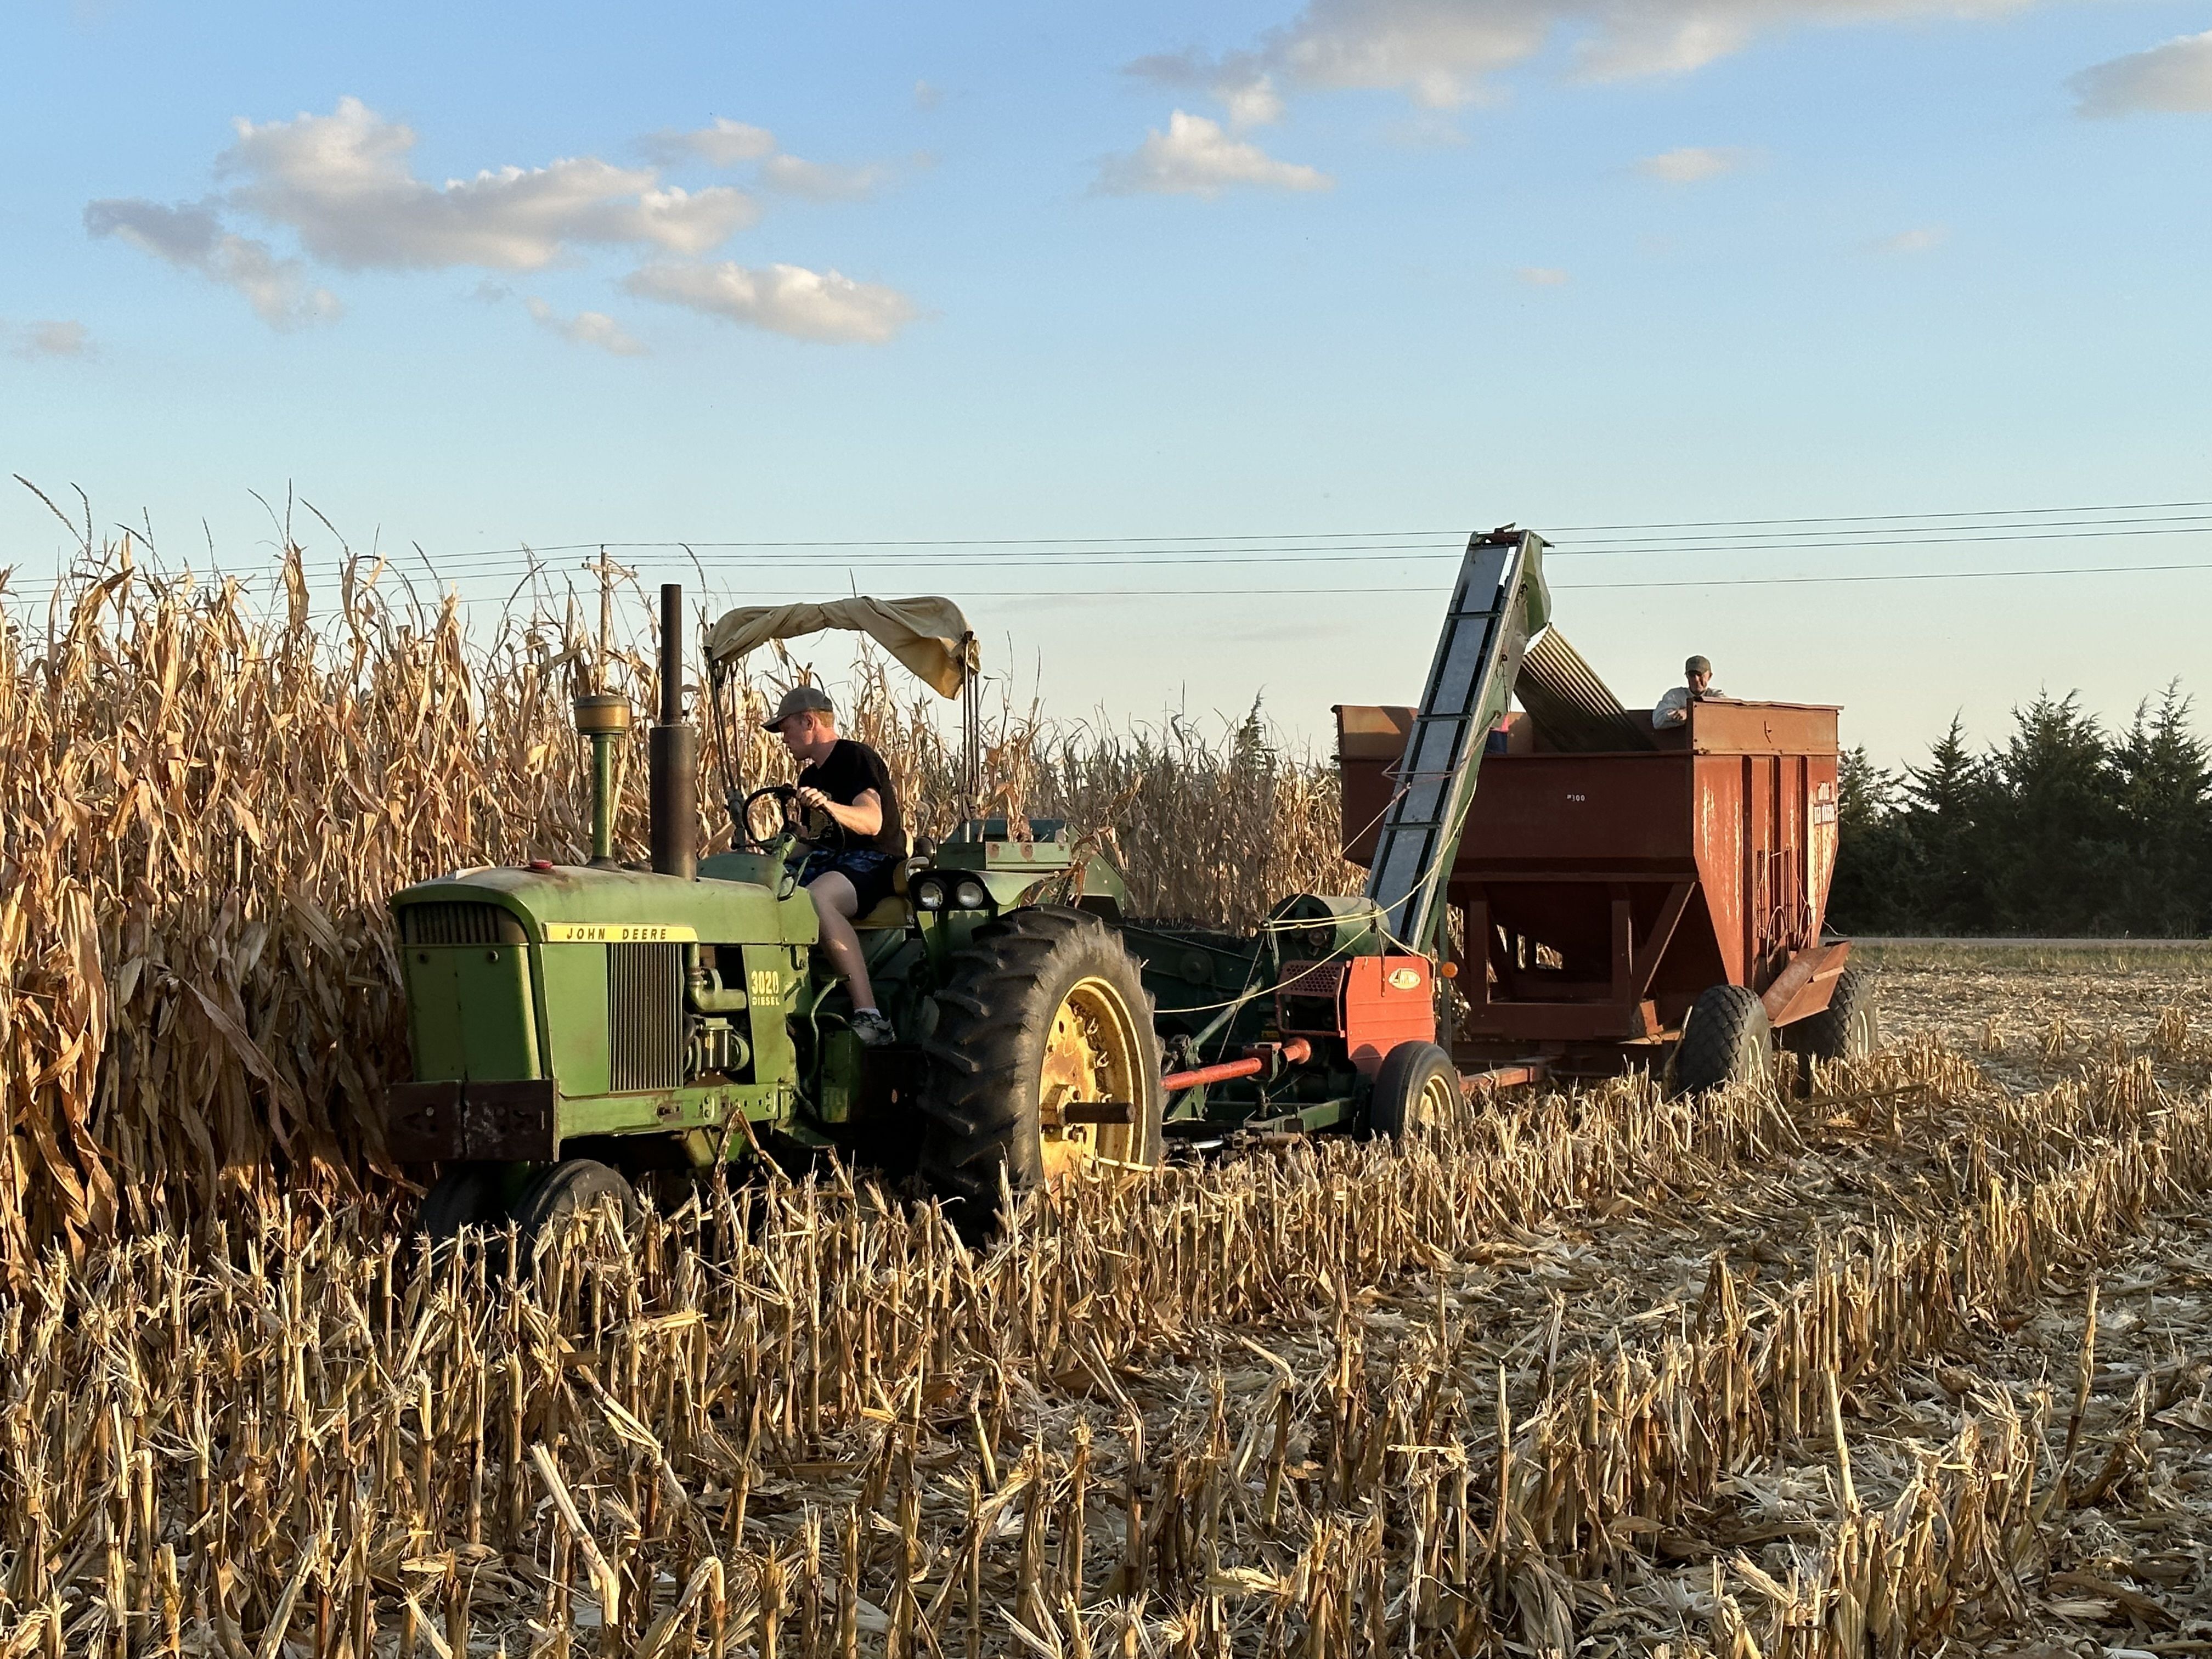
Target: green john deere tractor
[574, 1026]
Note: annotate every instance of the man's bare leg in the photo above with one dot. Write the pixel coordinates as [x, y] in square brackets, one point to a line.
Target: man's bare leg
[835, 903]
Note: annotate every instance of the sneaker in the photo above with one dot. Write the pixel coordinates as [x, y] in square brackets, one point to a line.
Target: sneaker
[873, 1030]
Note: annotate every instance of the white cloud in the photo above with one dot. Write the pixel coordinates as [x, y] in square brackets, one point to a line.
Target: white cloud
[192, 238]
[1911, 241]
[926, 96]
[2175, 77]
[590, 328]
[344, 185]
[342, 182]
[809, 304]
[1253, 103]
[1691, 164]
[1542, 275]
[1195, 157]
[821, 181]
[50, 338]
[721, 142]
[1438, 51]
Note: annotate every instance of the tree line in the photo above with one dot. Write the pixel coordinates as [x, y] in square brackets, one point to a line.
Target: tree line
[2062, 828]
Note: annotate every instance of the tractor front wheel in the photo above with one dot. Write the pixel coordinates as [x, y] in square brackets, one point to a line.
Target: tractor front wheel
[1726, 1039]
[566, 1189]
[465, 1196]
[1416, 1088]
[1044, 1062]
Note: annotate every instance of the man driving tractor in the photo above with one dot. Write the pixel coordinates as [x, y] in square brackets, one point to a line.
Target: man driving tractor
[848, 814]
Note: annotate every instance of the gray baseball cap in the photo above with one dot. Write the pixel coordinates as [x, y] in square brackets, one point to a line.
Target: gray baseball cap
[1696, 665]
[801, 700]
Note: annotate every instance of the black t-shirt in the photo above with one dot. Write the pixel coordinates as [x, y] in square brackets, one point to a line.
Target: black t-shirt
[845, 774]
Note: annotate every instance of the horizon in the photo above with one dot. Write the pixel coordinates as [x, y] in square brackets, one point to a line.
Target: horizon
[849, 656]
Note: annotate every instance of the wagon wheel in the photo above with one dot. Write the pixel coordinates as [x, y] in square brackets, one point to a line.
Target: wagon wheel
[1726, 1039]
[1416, 1088]
[1044, 1014]
[1848, 1028]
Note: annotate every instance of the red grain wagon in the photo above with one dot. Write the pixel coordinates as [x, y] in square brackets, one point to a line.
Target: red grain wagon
[1646, 904]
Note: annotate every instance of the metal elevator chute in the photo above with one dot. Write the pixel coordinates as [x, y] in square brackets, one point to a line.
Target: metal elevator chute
[1570, 706]
[1499, 603]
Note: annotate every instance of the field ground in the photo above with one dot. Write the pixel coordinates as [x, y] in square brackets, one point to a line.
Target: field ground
[1603, 1376]
[2029, 1011]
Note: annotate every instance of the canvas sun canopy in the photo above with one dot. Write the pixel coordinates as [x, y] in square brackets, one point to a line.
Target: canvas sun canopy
[929, 636]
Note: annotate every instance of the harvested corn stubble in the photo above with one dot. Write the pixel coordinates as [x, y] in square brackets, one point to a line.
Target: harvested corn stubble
[1594, 1369]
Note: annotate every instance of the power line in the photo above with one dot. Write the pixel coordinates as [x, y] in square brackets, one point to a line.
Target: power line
[1453, 532]
[1885, 518]
[764, 551]
[1934, 537]
[1886, 576]
[908, 555]
[1431, 589]
[1395, 553]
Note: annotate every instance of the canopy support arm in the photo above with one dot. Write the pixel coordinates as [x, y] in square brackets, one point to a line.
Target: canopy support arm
[971, 735]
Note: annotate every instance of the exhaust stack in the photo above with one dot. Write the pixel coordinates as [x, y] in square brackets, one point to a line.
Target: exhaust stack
[674, 758]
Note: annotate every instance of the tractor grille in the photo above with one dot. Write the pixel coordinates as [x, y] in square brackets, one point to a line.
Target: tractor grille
[457, 923]
[644, 1016]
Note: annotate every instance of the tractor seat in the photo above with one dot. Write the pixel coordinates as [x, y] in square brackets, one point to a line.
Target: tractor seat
[895, 911]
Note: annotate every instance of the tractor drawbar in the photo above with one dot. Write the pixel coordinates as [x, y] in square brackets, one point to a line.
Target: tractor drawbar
[673, 759]
[1295, 1052]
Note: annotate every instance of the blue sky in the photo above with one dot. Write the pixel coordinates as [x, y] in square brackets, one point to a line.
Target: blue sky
[1130, 271]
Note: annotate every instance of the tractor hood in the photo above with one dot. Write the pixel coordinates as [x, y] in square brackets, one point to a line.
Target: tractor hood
[571, 903]
[930, 636]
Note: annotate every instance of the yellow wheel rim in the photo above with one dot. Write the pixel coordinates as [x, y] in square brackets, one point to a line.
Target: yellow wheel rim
[1433, 1105]
[1093, 1052]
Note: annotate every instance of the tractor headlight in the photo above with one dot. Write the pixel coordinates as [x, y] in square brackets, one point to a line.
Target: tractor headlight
[929, 894]
[970, 896]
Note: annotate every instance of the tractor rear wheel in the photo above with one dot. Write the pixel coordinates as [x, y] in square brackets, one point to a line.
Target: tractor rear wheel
[1847, 1028]
[465, 1196]
[1726, 1039]
[1042, 1013]
[569, 1188]
[1416, 1088]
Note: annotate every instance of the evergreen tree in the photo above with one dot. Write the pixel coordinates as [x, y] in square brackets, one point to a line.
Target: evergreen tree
[2163, 775]
[1868, 893]
[2064, 829]
[1944, 879]
[2055, 829]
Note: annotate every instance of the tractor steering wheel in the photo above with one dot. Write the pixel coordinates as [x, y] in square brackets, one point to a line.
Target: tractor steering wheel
[782, 794]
